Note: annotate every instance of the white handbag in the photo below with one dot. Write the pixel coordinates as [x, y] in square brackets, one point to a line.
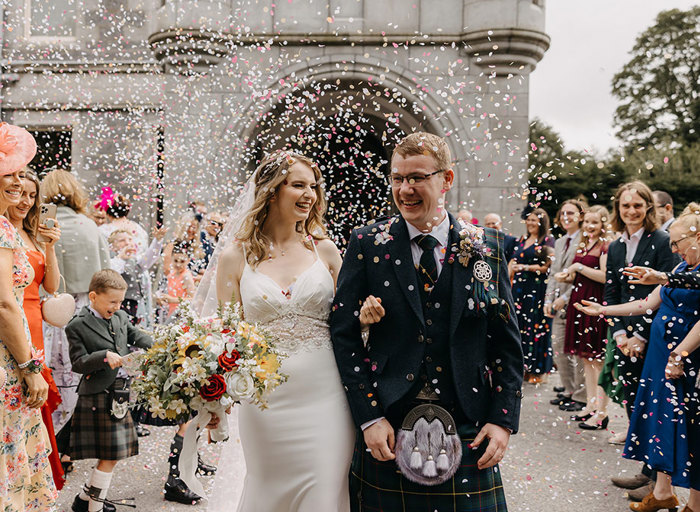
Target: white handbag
[58, 309]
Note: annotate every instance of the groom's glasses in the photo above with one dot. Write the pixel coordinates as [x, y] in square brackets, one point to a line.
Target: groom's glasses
[396, 180]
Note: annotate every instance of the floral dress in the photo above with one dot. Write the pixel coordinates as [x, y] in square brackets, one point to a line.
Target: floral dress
[25, 474]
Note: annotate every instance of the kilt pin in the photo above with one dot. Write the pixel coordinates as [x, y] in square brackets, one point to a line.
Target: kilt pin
[447, 331]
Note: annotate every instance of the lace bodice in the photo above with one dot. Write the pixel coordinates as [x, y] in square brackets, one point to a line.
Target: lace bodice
[297, 316]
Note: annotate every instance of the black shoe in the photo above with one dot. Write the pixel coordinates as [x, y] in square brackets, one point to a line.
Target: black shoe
[81, 505]
[558, 389]
[204, 469]
[572, 406]
[177, 491]
[601, 425]
[583, 417]
[560, 399]
[67, 466]
[142, 431]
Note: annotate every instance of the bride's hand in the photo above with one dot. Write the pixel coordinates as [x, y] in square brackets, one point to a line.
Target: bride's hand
[371, 311]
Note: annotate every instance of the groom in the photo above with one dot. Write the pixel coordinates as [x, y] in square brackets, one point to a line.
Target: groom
[439, 329]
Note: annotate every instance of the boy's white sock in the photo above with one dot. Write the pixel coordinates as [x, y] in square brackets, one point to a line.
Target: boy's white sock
[99, 480]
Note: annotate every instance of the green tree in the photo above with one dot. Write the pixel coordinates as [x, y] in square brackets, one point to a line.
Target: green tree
[659, 87]
[557, 174]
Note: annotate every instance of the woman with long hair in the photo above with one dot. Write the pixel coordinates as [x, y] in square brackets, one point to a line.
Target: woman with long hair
[529, 269]
[26, 483]
[586, 336]
[664, 429]
[282, 269]
[24, 216]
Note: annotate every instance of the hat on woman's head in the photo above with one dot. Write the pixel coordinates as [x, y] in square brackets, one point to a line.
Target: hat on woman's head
[17, 148]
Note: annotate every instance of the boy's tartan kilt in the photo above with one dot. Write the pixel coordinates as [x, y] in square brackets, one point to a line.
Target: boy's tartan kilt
[95, 435]
[380, 487]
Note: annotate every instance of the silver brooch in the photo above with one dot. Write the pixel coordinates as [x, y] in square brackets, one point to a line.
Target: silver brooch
[482, 271]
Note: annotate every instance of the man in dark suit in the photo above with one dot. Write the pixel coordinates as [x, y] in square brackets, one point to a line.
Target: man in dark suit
[445, 328]
[642, 243]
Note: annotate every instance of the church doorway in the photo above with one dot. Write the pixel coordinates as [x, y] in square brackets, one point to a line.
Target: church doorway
[350, 129]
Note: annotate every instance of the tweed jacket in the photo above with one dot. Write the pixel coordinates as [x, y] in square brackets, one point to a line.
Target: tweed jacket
[89, 339]
[484, 350]
[654, 250]
[562, 260]
[81, 251]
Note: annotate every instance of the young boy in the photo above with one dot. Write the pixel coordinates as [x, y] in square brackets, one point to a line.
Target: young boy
[135, 271]
[99, 335]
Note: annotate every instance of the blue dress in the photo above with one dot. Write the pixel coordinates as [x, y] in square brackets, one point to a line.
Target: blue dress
[664, 427]
[529, 289]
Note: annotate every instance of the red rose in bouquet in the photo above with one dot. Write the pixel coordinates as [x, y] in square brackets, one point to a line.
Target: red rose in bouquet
[214, 390]
[229, 360]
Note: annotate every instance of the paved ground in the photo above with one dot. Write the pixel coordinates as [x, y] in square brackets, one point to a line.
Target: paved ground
[551, 466]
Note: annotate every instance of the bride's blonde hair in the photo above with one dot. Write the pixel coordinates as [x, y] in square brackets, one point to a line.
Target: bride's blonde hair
[270, 174]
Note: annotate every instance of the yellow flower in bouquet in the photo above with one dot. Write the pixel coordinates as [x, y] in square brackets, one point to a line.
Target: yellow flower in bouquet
[269, 366]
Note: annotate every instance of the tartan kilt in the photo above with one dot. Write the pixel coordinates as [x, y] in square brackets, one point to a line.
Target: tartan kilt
[96, 435]
[380, 487]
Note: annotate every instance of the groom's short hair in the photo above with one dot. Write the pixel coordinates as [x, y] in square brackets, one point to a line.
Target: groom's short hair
[422, 143]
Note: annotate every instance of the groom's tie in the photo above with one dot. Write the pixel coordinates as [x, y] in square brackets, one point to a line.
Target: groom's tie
[427, 268]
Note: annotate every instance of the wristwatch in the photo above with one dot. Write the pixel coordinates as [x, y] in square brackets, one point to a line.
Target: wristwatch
[32, 366]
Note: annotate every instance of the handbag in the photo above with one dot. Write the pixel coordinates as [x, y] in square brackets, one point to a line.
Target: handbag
[58, 309]
[428, 449]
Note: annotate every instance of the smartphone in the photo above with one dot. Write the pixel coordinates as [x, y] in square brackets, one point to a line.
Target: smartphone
[47, 217]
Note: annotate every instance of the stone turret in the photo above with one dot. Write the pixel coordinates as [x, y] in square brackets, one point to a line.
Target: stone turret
[505, 36]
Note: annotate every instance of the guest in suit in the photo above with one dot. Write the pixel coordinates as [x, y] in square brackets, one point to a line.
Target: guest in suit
[569, 218]
[99, 336]
[439, 335]
[529, 270]
[641, 243]
[493, 221]
[664, 208]
[80, 253]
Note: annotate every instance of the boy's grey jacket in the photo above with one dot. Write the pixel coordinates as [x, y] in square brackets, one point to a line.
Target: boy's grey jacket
[90, 339]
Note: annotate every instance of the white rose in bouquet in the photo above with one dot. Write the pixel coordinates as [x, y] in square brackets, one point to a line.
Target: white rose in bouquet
[240, 386]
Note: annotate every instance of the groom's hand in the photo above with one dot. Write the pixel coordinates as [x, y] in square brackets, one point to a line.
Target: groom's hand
[498, 442]
[379, 438]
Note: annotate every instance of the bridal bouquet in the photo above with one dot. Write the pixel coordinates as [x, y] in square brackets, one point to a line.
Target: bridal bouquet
[206, 364]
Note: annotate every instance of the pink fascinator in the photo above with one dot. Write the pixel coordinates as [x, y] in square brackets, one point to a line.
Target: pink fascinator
[17, 148]
[106, 199]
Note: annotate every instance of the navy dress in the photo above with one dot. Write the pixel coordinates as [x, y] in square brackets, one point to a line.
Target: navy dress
[663, 428]
[529, 289]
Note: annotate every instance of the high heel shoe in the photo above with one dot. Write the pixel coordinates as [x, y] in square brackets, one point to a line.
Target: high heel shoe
[582, 417]
[599, 425]
[651, 504]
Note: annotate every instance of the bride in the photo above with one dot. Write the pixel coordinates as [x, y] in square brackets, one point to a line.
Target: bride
[282, 269]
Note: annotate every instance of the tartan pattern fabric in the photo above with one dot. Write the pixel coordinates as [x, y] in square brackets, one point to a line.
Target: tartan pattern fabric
[95, 435]
[380, 487]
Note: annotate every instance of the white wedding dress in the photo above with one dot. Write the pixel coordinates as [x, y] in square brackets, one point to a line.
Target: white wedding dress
[298, 450]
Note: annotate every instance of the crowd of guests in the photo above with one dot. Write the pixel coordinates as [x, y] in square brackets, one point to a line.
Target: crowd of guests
[64, 390]
[612, 304]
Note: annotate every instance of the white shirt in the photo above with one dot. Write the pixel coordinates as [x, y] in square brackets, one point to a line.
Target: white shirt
[441, 233]
[631, 242]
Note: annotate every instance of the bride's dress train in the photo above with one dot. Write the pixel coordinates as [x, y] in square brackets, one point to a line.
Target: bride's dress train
[298, 450]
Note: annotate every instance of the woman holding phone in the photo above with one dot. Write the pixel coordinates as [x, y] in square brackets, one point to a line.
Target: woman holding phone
[24, 216]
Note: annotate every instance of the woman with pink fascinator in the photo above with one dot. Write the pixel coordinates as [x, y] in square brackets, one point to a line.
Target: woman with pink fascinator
[26, 483]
